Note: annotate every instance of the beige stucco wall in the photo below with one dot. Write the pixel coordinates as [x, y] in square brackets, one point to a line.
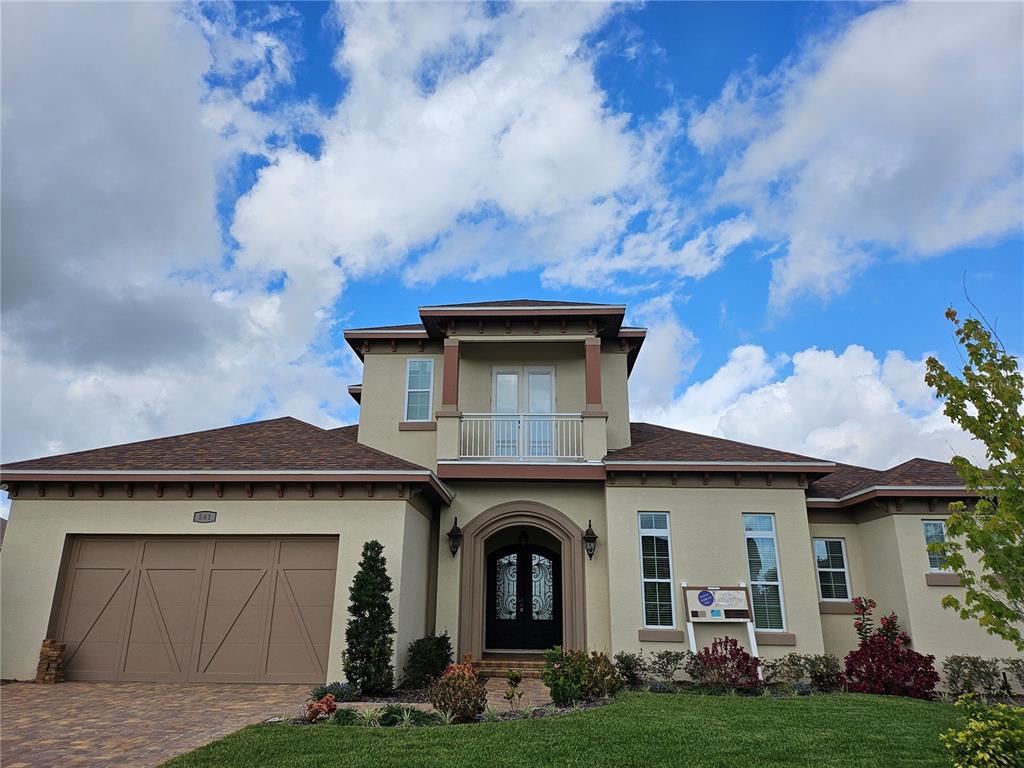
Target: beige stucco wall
[708, 549]
[383, 407]
[31, 555]
[837, 629]
[478, 360]
[580, 502]
[888, 561]
[615, 394]
[934, 629]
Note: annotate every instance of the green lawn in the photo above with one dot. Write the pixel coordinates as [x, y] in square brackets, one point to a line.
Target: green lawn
[640, 729]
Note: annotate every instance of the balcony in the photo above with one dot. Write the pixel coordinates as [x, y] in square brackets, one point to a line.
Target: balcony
[526, 437]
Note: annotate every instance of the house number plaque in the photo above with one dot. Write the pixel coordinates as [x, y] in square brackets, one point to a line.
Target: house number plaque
[204, 517]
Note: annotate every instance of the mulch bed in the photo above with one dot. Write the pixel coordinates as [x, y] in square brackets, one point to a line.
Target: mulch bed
[402, 696]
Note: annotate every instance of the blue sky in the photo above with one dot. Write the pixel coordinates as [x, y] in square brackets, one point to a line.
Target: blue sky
[200, 198]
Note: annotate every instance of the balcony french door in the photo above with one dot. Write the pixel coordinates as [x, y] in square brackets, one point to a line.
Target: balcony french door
[519, 394]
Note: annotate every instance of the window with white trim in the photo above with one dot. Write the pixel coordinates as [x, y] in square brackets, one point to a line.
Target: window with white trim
[763, 564]
[656, 570]
[833, 576]
[419, 389]
[935, 533]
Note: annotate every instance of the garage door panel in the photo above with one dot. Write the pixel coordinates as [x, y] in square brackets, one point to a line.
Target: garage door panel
[243, 609]
[106, 553]
[309, 553]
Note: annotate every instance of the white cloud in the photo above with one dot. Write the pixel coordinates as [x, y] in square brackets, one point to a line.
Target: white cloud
[669, 354]
[480, 141]
[848, 406]
[903, 132]
[119, 320]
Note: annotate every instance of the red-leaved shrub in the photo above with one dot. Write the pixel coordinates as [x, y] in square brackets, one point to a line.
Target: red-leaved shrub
[884, 661]
[320, 709]
[726, 664]
[459, 691]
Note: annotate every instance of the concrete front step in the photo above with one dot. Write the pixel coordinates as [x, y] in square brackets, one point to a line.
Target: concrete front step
[500, 667]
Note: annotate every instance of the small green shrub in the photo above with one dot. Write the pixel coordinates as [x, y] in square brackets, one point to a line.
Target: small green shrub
[340, 692]
[392, 715]
[632, 667]
[565, 675]
[665, 664]
[992, 737]
[370, 717]
[428, 658]
[971, 674]
[345, 717]
[602, 678]
[788, 670]
[459, 692]
[825, 672]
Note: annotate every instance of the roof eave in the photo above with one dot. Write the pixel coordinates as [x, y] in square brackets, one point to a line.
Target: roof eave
[890, 491]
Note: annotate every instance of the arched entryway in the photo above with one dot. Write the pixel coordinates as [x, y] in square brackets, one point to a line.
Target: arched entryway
[497, 608]
[523, 603]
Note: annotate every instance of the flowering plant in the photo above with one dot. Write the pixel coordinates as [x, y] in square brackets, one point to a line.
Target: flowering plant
[884, 662]
[459, 691]
[320, 709]
[726, 664]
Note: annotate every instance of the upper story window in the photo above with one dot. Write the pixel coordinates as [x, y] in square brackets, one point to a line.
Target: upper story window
[765, 580]
[529, 389]
[833, 576]
[656, 569]
[419, 389]
[935, 533]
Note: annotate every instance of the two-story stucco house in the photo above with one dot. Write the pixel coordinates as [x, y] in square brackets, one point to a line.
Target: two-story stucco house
[518, 506]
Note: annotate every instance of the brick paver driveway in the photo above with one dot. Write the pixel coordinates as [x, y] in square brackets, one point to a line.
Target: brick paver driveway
[128, 724]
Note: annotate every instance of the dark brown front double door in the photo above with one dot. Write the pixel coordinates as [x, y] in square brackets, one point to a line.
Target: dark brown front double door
[524, 597]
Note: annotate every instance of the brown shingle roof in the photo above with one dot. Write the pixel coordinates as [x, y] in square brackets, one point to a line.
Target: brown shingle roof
[659, 443]
[520, 303]
[276, 444]
[849, 479]
[403, 327]
[348, 432]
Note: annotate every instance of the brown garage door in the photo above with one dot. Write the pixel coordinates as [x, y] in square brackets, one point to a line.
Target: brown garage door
[212, 609]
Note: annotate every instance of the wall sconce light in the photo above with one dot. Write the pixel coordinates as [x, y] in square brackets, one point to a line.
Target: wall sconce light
[590, 540]
[455, 538]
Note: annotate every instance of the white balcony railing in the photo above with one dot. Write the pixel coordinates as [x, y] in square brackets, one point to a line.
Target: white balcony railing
[521, 436]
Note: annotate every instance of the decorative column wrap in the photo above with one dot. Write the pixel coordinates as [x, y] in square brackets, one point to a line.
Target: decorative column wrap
[592, 349]
[450, 376]
[51, 662]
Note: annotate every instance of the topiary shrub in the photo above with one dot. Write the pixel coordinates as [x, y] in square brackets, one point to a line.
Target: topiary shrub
[727, 665]
[991, 736]
[340, 692]
[459, 692]
[665, 664]
[565, 675]
[602, 679]
[884, 662]
[971, 674]
[428, 658]
[368, 638]
[825, 673]
[632, 667]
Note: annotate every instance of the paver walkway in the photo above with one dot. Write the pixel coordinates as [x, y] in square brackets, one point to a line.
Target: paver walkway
[128, 724]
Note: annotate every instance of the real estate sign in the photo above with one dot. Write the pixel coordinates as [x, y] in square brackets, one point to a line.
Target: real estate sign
[713, 604]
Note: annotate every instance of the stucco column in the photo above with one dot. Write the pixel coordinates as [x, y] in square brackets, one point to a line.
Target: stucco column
[592, 352]
[595, 418]
[450, 376]
[448, 414]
